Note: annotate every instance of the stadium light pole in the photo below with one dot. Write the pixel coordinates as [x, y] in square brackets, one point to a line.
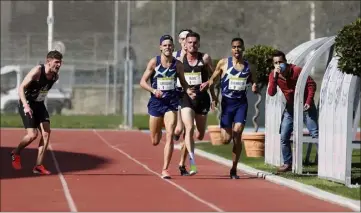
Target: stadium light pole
[129, 71]
[50, 21]
[115, 54]
[174, 4]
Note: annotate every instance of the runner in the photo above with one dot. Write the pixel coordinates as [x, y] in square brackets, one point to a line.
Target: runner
[197, 69]
[163, 71]
[180, 126]
[32, 92]
[235, 75]
[179, 56]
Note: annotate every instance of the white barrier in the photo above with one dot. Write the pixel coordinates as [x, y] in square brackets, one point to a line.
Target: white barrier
[298, 138]
[275, 105]
[337, 128]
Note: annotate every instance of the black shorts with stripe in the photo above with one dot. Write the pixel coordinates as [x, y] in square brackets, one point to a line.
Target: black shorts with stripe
[40, 115]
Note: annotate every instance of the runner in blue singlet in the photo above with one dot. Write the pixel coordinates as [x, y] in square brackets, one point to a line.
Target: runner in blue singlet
[163, 71]
[235, 76]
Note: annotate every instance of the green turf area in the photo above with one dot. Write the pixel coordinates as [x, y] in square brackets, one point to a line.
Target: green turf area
[310, 172]
[87, 121]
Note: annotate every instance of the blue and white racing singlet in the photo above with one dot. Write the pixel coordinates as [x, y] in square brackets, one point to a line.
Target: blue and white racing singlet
[165, 79]
[234, 82]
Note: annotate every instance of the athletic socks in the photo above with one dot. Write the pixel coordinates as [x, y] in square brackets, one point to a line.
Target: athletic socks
[193, 168]
[191, 158]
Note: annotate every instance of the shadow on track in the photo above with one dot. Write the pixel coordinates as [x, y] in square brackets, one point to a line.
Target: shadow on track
[68, 162]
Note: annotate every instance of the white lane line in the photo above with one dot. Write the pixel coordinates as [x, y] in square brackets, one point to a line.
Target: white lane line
[67, 194]
[210, 205]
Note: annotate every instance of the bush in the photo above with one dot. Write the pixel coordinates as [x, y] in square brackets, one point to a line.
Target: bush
[260, 59]
[348, 48]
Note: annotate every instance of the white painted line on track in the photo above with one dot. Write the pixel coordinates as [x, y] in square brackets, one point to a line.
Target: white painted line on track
[210, 205]
[64, 184]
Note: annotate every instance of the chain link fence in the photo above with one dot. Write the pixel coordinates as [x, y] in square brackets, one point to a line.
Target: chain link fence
[86, 28]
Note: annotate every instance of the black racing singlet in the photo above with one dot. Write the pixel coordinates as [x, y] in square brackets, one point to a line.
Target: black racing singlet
[38, 90]
[195, 75]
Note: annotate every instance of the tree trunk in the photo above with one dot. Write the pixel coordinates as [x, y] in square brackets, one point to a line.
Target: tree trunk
[255, 124]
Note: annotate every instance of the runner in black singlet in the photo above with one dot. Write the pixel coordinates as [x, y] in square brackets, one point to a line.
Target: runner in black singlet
[32, 92]
[197, 70]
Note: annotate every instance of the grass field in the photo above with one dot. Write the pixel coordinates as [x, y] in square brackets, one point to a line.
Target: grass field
[310, 176]
[87, 121]
[141, 122]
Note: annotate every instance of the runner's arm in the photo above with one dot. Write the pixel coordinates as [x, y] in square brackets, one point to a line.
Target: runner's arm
[217, 72]
[209, 65]
[180, 71]
[32, 75]
[147, 74]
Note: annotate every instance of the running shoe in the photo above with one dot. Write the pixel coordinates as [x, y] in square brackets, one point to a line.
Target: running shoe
[165, 174]
[40, 169]
[193, 169]
[183, 171]
[16, 162]
[233, 174]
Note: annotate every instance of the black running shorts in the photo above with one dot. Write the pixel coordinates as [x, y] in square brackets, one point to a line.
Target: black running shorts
[40, 115]
[201, 104]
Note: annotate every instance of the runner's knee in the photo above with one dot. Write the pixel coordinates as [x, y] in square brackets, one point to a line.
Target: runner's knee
[226, 139]
[46, 134]
[189, 127]
[238, 128]
[156, 139]
[32, 135]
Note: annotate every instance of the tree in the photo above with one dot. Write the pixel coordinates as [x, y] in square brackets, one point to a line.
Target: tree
[348, 48]
[259, 58]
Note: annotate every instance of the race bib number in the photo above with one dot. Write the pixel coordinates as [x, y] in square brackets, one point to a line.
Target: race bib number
[165, 83]
[193, 78]
[237, 84]
[42, 95]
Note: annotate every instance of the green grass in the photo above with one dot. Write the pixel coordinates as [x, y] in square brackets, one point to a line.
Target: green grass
[310, 172]
[87, 121]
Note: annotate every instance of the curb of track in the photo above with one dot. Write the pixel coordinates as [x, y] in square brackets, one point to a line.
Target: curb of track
[307, 189]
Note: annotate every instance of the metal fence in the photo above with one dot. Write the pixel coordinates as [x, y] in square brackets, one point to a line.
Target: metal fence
[87, 30]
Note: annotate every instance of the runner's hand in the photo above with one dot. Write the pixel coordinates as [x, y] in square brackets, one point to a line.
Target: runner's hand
[254, 88]
[27, 110]
[157, 93]
[214, 104]
[204, 86]
[191, 93]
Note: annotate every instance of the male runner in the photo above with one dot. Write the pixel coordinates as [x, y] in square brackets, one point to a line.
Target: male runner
[235, 75]
[179, 128]
[163, 71]
[179, 56]
[197, 69]
[32, 92]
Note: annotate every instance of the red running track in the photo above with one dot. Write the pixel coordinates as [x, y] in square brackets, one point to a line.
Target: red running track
[119, 171]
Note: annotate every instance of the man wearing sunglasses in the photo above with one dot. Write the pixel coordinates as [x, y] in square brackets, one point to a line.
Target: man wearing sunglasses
[285, 76]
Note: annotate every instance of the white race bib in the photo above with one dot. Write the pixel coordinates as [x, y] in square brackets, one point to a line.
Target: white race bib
[165, 83]
[42, 95]
[193, 78]
[237, 84]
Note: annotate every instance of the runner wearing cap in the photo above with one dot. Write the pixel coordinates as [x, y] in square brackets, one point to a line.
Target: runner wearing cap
[162, 71]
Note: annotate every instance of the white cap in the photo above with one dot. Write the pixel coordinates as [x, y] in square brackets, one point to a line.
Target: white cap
[183, 34]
